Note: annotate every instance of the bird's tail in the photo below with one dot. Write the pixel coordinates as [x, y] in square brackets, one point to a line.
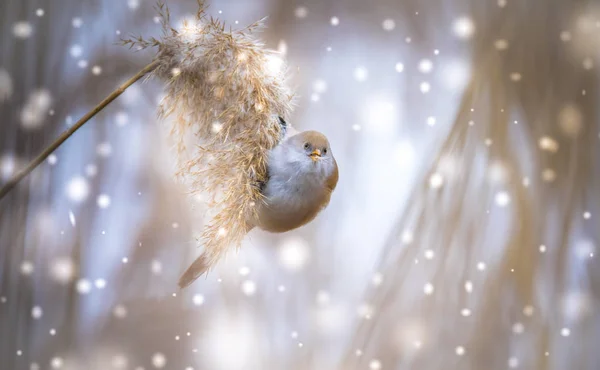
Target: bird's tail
[198, 267]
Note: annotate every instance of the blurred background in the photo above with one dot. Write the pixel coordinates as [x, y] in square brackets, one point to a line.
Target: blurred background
[462, 233]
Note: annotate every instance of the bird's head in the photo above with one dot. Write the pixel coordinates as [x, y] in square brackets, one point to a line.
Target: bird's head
[311, 150]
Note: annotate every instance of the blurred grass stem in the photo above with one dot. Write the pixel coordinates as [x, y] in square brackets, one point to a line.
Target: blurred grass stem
[6, 188]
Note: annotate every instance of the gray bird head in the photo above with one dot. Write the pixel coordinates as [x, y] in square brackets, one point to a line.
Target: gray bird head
[311, 150]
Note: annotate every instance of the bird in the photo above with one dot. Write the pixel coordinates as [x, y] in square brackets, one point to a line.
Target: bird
[302, 174]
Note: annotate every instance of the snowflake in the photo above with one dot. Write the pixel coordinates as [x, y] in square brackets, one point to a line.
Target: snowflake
[320, 86]
[22, 30]
[501, 44]
[78, 189]
[548, 144]
[104, 149]
[465, 312]
[468, 286]
[52, 159]
[502, 199]
[518, 328]
[37, 312]
[301, 12]
[26, 268]
[249, 287]
[156, 267]
[436, 181]
[100, 283]
[103, 201]
[39, 12]
[425, 87]
[62, 270]
[198, 299]
[77, 22]
[83, 286]
[120, 311]
[388, 24]
[425, 66]
[361, 74]
[76, 51]
[133, 4]
[294, 253]
[56, 363]
[428, 289]
[460, 350]
[36, 108]
[463, 27]
[377, 279]
[159, 360]
[407, 237]
[335, 21]
[375, 365]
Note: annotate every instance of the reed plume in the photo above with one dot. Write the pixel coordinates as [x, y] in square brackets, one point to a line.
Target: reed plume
[224, 96]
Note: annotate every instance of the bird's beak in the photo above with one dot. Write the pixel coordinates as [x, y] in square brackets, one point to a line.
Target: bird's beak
[315, 155]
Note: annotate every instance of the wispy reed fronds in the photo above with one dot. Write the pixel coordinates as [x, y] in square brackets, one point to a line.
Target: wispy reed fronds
[224, 94]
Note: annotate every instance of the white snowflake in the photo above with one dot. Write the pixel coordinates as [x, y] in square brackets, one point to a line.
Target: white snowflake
[100, 283]
[36, 109]
[133, 4]
[502, 199]
[120, 311]
[104, 149]
[26, 268]
[388, 24]
[463, 27]
[83, 286]
[301, 12]
[249, 287]
[62, 270]
[56, 363]
[399, 67]
[22, 30]
[361, 74]
[375, 365]
[294, 253]
[78, 189]
[156, 267]
[159, 360]
[198, 299]
[425, 66]
[425, 87]
[428, 289]
[77, 22]
[103, 201]
[335, 21]
[37, 312]
[436, 181]
[468, 286]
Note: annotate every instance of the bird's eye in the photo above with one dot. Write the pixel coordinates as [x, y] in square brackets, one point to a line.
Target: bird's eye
[324, 150]
[306, 146]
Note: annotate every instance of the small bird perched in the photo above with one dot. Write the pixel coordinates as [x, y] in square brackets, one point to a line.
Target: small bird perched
[302, 174]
